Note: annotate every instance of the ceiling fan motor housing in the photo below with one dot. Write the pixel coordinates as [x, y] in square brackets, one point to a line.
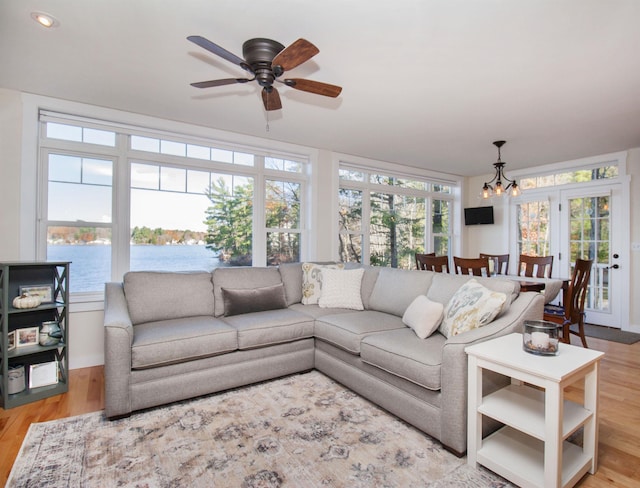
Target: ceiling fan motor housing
[259, 53]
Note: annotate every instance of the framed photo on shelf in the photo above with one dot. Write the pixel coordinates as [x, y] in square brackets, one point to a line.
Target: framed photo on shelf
[27, 336]
[43, 374]
[11, 339]
[45, 292]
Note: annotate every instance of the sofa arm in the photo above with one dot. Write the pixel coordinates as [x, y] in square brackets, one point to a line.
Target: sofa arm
[528, 306]
[118, 340]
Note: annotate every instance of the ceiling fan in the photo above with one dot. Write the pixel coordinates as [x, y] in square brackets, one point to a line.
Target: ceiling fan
[267, 60]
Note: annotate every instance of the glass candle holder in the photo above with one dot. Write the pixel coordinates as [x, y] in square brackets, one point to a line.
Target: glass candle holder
[540, 337]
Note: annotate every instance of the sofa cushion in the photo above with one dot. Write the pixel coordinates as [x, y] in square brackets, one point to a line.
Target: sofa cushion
[312, 281]
[239, 301]
[395, 289]
[403, 354]
[347, 330]
[241, 278]
[291, 275]
[368, 280]
[423, 316]
[472, 306]
[445, 285]
[341, 289]
[154, 295]
[178, 340]
[314, 311]
[270, 327]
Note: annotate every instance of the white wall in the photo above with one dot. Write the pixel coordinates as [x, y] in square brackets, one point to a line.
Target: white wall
[494, 238]
[10, 154]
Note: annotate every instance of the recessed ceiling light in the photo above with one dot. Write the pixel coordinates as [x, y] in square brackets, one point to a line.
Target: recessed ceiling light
[45, 20]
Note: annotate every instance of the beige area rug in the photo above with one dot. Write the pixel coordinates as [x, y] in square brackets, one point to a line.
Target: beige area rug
[300, 431]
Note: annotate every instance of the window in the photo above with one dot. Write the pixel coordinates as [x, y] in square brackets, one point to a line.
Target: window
[117, 200]
[79, 219]
[282, 213]
[533, 228]
[384, 220]
[601, 172]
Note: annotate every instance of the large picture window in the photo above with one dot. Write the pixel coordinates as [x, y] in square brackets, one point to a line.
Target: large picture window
[117, 200]
[384, 220]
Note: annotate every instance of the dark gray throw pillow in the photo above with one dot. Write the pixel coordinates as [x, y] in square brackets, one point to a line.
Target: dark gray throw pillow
[247, 300]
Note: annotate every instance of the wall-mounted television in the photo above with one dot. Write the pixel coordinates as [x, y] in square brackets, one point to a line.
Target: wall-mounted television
[478, 215]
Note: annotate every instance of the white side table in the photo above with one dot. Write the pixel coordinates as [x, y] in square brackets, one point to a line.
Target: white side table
[531, 449]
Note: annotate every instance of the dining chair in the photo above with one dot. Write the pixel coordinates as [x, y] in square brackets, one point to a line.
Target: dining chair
[572, 313]
[439, 264]
[474, 266]
[502, 261]
[541, 265]
[420, 257]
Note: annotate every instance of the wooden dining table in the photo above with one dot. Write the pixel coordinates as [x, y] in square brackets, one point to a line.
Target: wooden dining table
[550, 286]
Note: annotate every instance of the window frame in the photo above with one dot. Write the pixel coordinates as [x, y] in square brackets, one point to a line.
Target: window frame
[122, 156]
[368, 167]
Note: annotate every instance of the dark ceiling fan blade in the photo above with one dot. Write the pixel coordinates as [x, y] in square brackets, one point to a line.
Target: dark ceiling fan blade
[271, 99]
[295, 54]
[314, 87]
[225, 81]
[220, 51]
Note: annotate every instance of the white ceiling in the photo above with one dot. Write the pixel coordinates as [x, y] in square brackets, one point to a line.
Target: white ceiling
[427, 83]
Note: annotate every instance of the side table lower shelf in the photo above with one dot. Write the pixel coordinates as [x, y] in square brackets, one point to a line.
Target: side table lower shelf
[520, 458]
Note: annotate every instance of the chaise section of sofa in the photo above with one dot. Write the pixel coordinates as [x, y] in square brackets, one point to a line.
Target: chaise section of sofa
[172, 336]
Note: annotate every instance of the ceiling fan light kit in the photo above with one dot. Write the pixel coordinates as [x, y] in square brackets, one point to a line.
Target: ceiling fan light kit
[495, 187]
[267, 60]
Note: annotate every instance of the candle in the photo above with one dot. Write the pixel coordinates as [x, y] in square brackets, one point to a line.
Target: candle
[490, 266]
[540, 340]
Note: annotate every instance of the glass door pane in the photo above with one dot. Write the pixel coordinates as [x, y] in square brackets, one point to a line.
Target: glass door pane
[588, 233]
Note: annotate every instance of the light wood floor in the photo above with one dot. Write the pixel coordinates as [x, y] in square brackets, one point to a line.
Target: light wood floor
[619, 446]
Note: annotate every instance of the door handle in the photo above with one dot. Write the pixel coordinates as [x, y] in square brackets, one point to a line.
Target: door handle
[614, 266]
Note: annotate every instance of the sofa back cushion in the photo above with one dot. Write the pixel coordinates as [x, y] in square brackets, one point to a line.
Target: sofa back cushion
[155, 295]
[395, 289]
[241, 278]
[368, 280]
[445, 285]
[291, 275]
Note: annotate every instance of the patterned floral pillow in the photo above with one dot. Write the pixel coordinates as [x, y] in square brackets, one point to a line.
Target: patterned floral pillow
[312, 281]
[472, 306]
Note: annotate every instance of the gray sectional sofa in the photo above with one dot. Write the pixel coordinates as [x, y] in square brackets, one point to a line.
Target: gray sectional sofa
[172, 336]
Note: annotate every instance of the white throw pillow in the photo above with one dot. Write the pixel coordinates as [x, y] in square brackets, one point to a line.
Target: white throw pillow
[423, 316]
[472, 306]
[312, 281]
[341, 288]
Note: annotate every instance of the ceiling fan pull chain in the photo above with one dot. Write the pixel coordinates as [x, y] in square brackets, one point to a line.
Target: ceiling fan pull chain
[267, 115]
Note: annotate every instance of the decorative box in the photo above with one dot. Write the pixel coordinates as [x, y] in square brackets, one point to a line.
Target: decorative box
[16, 379]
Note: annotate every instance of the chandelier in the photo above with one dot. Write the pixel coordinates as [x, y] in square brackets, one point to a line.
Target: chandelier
[498, 189]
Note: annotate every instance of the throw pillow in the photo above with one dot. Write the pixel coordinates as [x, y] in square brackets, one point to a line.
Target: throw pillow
[248, 300]
[423, 316]
[312, 281]
[341, 289]
[472, 306]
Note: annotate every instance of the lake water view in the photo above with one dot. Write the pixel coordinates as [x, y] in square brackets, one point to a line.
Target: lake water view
[91, 265]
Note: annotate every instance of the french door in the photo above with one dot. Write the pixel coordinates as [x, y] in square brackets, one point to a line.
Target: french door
[591, 228]
[582, 223]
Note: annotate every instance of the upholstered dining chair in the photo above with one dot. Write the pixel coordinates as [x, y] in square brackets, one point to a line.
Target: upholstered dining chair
[572, 313]
[474, 266]
[538, 266]
[502, 261]
[431, 262]
[420, 257]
